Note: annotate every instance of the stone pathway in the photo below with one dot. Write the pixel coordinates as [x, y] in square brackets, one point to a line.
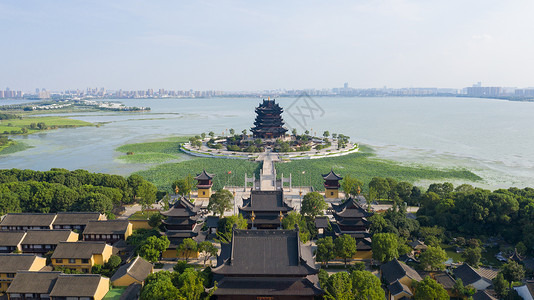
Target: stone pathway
[268, 172]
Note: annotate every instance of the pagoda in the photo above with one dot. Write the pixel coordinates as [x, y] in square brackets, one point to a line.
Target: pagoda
[352, 219]
[268, 123]
[181, 223]
[265, 209]
[266, 264]
[204, 184]
[331, 184]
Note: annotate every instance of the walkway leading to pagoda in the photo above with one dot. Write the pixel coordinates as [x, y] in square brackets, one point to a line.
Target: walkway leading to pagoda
[268, 173]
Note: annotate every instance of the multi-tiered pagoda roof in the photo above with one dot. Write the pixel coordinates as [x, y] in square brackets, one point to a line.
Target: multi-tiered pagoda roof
[269, 122]
[182, 223]
[352, 219]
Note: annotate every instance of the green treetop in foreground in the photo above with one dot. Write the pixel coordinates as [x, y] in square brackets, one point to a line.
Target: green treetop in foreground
[345, 247]
[385, 246]
[313, 204]
[220, 202]
[429, 289]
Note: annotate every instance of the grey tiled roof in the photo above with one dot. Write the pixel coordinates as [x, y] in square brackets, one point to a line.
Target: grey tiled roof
[11, 238]
[81, 250]
[289, 286]
[395, 270]
[467, 274]
[28, 219]
[76, 285]
[138, 269]
[396, 288]
[33, 282]
[46, 237]
[266, 252]
[106, 227]
[11, 263]
[75, 218]
[265, 201]
[182, 208]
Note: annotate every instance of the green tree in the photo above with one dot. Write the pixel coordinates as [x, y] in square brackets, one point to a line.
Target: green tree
[155, 220]
[294, 218]
[225, 225]
[147, 194]
[220, 201]
[385, 247]
[208, 250]
[429, 289]
[326, 133]
[203, 135]
[95, 202]
[380, 186]
[244, 132]
[338, 287]
[113, 262]
[351, 186]
[501, 285]
[313, 204]
[345, 247]
[378, 223]
[472, 256]
[366, 286]
[512, 271]
[152, 247]
[433, 258]
[161, 289]
[184, 185]
[232, 131]
[211, 134]
[325, 250]
[187, 248]
[294, 131]
[463, 291]
[190, 285]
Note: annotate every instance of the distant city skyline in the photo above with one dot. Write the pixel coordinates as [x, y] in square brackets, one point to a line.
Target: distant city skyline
[253, 46]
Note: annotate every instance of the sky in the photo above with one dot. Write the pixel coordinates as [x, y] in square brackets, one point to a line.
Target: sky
[259, 45]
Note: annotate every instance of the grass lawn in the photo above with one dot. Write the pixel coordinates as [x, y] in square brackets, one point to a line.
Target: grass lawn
[114, 293]
[138, 215]
[489, 259]
[451, 252]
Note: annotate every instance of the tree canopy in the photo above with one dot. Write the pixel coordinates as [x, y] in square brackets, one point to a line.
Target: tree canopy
[385, 247]
[313, 204]
[220, 201]
[345, 247]
[429, 289]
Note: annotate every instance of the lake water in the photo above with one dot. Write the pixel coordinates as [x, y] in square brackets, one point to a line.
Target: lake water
[493, 138]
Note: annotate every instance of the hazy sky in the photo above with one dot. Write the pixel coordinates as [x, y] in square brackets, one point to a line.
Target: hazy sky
[254, 45]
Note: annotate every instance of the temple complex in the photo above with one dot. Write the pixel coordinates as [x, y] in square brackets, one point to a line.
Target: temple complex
[204, 184]
[181, 223]
[331, 184]
[268, 123]
[352, 219]
[265, 209]
[266, 264]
